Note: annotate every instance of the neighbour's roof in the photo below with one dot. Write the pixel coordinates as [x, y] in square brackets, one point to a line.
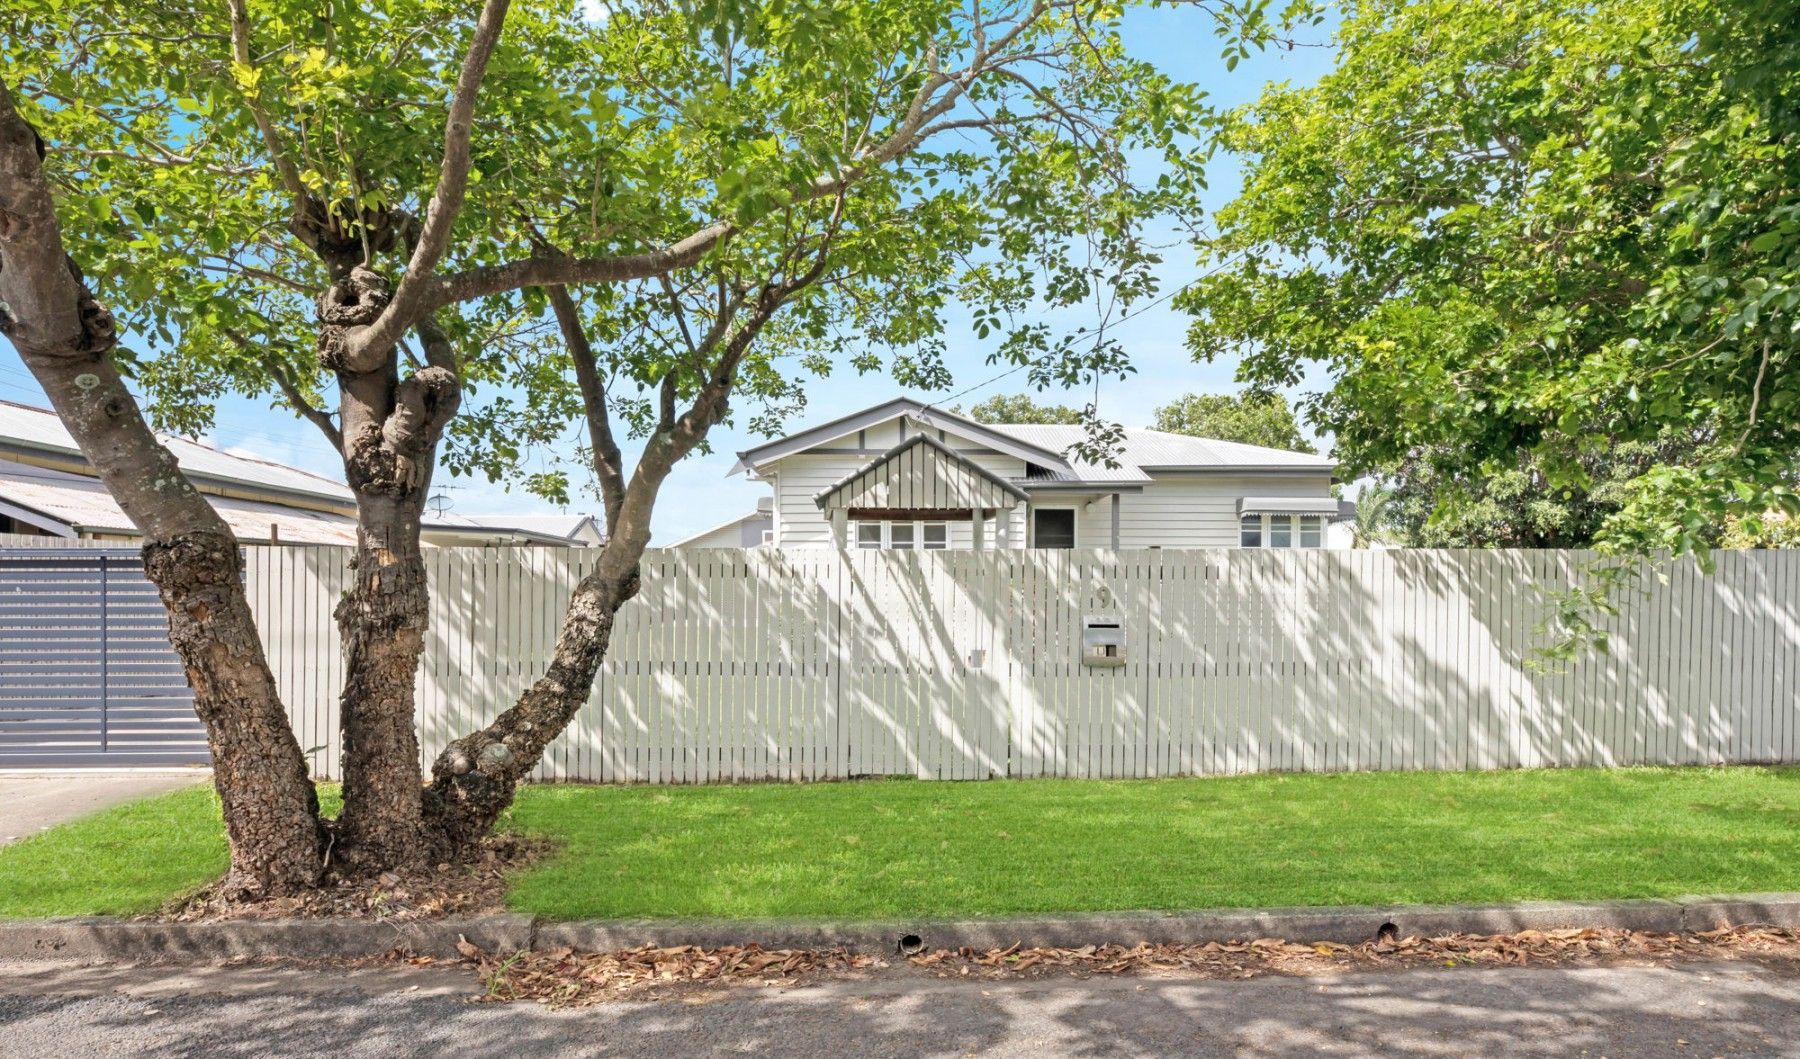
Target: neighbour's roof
[25, 429]
[748, 516]
[74, 503]
[543, 527]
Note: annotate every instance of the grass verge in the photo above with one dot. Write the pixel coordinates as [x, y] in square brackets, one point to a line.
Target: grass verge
[905, 849]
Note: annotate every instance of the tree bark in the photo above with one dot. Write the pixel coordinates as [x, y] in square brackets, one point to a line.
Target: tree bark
[389, 429]
[65, 338]
[475, 777]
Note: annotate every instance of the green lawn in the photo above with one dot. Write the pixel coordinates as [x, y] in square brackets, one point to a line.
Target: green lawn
[901, 849]
[120, 861]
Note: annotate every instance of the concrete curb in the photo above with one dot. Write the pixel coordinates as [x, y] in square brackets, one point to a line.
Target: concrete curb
[113, 939]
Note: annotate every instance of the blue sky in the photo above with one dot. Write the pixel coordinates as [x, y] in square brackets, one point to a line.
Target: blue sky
[700, 494]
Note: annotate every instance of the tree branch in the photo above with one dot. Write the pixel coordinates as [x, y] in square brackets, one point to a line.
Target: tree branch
[410, 301]
[290, 389]
[240, 54]
[609, 463]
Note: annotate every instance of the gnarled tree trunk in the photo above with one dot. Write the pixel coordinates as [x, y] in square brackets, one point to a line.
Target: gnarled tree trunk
[475, 778]
[65, 337]
[389, 433]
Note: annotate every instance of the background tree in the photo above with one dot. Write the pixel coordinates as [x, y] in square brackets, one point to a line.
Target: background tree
[1020, 408]
[1520, 237]
[1429, 503]
[1251, 418]
[256, 187]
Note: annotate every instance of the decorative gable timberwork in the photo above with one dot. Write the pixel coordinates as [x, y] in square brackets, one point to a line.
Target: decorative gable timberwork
[921, 474]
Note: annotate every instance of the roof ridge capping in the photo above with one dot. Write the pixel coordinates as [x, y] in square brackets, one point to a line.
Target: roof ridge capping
[929, 414]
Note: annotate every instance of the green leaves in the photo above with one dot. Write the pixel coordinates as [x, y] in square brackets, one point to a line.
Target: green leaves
[1526, 239]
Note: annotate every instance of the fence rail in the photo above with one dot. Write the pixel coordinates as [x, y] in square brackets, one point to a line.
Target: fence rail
[750, 665]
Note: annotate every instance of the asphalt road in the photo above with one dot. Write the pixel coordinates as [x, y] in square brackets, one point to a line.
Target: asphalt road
[1689, 1010]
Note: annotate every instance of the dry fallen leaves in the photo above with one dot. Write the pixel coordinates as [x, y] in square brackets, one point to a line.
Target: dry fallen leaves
[474, 887]
[567, 977]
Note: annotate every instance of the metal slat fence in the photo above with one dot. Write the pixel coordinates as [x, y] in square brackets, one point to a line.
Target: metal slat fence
[87, 676]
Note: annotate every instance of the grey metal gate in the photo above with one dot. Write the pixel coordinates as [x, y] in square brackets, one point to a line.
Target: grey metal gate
[87, 676]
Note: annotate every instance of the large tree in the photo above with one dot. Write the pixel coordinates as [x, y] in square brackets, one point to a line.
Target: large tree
[1250, 418]
[1518, 236]
[662, 191]
[1021, 408]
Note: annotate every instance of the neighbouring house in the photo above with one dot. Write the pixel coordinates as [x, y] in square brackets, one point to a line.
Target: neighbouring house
[745, 531]
[906, 475]
[48, 490]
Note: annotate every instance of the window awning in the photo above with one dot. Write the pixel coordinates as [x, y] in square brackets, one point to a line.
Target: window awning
[1288, 505]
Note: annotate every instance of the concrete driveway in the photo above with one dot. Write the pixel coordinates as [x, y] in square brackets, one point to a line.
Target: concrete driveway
[32, 802]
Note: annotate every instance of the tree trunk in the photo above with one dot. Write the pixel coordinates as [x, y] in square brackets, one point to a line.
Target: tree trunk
[270, 806]
[389, 430]
[382, 622]
[474, 779]
[65, 337]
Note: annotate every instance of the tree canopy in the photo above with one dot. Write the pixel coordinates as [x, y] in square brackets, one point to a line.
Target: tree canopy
[471, 231]
[1021, 408]
[1497, 225]
[1250, 417]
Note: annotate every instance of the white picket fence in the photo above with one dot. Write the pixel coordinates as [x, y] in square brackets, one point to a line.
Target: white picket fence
[963, 665]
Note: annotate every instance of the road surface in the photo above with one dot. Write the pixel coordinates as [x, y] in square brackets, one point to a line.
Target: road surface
[1725, 1009]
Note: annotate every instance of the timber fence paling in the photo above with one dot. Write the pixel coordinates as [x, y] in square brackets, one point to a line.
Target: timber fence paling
[819, 664]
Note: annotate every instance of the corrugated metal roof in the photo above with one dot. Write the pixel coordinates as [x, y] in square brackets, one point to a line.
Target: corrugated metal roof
[548, 528]
[83, 504]
[1152, 450]
[26, 427]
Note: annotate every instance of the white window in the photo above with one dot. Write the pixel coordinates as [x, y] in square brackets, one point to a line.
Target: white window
[1250, 531]
[1281, 531]
[1311, 531]
[903, 536]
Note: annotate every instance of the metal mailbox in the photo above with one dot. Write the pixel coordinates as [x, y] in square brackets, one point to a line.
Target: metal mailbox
[1102, 640]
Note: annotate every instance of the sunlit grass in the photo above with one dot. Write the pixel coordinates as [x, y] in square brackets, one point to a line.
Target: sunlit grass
[904, 849]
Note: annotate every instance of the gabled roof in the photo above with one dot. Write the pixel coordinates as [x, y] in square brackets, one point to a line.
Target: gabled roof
[920, 486]
[929, 415]
[760, 514]
[1144, 453]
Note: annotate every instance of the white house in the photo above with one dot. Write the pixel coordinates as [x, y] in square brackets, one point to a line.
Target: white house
[906, 475]
[49, 493]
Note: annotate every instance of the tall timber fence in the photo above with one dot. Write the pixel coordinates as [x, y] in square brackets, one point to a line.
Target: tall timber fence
[734, 665]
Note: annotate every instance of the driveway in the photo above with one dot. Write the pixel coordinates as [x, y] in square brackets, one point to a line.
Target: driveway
[31, 803]
[1685, 1010]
